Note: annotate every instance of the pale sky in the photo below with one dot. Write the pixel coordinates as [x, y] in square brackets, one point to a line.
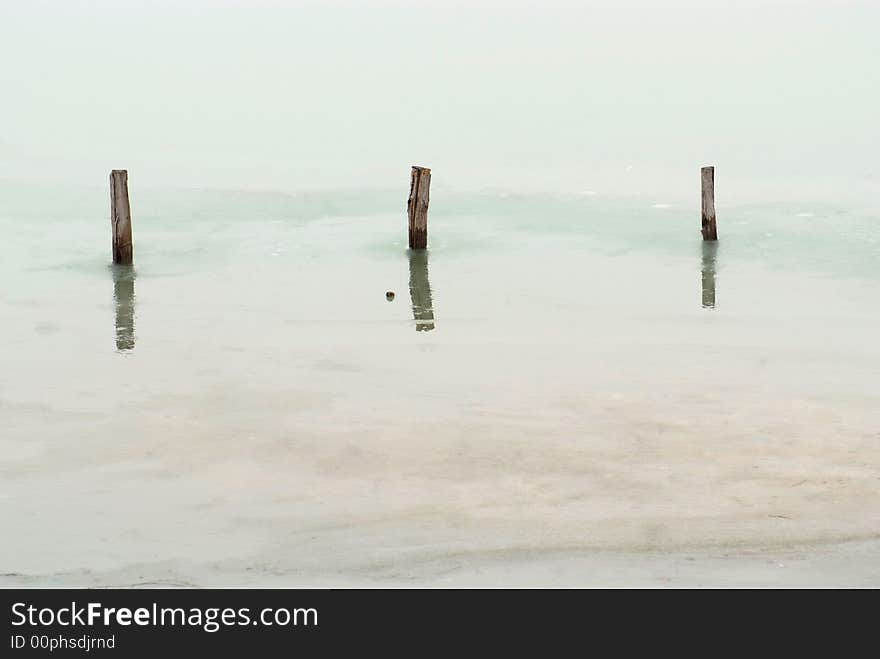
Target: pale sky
[567, 95]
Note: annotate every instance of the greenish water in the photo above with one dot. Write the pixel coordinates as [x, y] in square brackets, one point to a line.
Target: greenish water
[247, 383]
[225, 268]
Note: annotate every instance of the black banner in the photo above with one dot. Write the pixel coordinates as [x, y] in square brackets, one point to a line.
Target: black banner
[132, 623]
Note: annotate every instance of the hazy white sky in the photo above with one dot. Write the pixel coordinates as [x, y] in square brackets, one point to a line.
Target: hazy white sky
[565, 95]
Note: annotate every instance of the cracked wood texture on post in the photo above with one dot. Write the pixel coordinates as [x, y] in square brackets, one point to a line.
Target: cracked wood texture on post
[120, 217]
[417, 207]
[707, 177]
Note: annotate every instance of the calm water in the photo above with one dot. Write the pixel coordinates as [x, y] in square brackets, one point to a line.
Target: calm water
[575, 364]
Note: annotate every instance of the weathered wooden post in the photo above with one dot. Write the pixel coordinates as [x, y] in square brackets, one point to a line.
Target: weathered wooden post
[120, 217]
[710, 231]
[417, 207]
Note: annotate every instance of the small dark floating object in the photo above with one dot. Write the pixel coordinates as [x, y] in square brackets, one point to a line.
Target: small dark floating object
[389, 295]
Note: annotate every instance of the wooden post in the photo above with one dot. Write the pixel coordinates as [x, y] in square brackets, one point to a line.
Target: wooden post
[417, 207]
[710, 231]
[120, 217]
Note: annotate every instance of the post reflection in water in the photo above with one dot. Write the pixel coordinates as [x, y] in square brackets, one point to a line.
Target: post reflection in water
[420, 290]
[123, 294]
[710, 254]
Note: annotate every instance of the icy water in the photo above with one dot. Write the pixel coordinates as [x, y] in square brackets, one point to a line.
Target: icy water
[558, 377]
